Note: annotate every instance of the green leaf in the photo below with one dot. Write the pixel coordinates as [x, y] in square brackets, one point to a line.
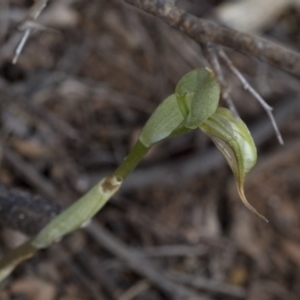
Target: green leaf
[78, 213]
[197, 94]
[164, 121]
[233, 139]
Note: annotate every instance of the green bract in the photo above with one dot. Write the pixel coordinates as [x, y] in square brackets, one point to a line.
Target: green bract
[77, 214]
[233, 139]
[164, 120]
[196, 98]
[197, 94]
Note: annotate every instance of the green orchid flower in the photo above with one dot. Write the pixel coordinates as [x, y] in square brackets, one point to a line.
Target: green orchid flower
[234, 141]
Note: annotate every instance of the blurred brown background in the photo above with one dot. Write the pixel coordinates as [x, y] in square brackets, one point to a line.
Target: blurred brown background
[72, 107]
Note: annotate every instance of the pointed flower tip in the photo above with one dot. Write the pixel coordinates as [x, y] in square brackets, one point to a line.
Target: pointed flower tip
[247, 204]
[263, 218]
[233, 139]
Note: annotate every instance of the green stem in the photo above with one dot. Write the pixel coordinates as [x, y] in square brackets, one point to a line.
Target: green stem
[12, 259]
[130, 162]
[70, 219]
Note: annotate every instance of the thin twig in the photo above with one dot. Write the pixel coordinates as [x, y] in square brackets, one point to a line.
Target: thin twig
[140, 264]
[247, 86]
[62, 256]
[28, 25]
[174, 250]
[21, 45]
[204, 31]
[209, 51]
[29, 173]
[214, 286]
[135, 290]
[91, 264]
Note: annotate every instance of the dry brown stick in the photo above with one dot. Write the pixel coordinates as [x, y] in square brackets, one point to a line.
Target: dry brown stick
[62, 256]
[174, 250]
[90, 263]
[214, 286]
[29, 24]
[247, 86]
[30, 175]
[135, 290]
[210, 54]
[140, 264]
[204, 31]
